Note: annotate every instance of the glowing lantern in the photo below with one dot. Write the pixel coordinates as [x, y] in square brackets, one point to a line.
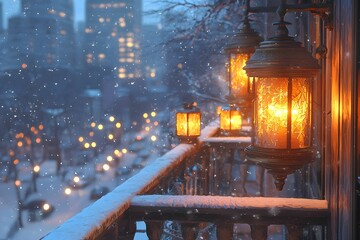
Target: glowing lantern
[230, 119]
[283, 74]
[188, 123]
[239, 49]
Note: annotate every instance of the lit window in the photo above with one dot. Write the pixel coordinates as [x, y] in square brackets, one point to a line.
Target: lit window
[62, 14]
[131, 75]
[101, 20]
[122, 70]
[121, 40]
[129, 44]
[88, 30]
[122, 60]
[122, 75]
[121, 50]
[113, 34]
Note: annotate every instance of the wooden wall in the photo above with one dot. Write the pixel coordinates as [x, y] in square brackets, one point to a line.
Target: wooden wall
[340, 120]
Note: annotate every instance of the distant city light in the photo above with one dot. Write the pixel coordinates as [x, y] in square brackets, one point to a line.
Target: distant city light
[111, 118]
[106, 167]
[16, 161]
[93, 144]
[17, 183]
[93, 124]
[148, 121]
[100, 127]
[81, 139]
[124, 150]
[153, 138]
[67, 191]
[110, 136]
[145, 115]
[41, 127]
[118, 125]
[76, 179]
[46, 206]
[91, 134]
[153, 114]
[156, 123]
[19, 144]
[147, 129]
[38, 140]
[36, 168]
[86, 145]
[24, 65]
[109, 158]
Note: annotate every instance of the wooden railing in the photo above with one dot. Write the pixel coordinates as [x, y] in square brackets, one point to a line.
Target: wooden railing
[194, 187]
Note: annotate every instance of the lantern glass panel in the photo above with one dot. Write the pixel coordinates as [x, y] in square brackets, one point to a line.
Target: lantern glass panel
[181, 124]
[238, 79]
[283, 113]
[194, 120]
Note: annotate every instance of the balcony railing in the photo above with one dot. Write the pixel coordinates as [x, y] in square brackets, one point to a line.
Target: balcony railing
[197, 190]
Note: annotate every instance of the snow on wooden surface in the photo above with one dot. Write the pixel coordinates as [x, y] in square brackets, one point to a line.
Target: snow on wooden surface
[93, 220]
[225, 202]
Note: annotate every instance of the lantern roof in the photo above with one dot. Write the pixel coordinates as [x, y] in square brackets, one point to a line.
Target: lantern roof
[281, 56]
[245, 41]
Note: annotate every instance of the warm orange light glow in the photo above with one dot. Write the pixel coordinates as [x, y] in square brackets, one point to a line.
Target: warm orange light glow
[38, 140]
[17, 183]
[153, 138]
[145, 115]
[86, 145]
[91, 134]
[19, 144]
[109, 158]
[110, 136]
[276, 128]
[93, 124]
[111, 118]
[93, 144]
[100, 127]
[188, 123]
[124, 150]
[238, 78]
[41, 127]
[230, 119]
[16, 161]
[81, 139]
[118, 125]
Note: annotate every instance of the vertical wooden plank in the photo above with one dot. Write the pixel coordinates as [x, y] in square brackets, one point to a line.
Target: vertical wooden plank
[340, 138]
[347, 88]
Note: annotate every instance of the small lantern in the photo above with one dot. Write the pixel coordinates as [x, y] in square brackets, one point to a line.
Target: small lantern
[230, 119]
[283, 72]
[188, 123]
[239, 49]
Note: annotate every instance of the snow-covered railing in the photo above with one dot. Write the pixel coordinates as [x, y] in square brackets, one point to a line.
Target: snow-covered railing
[95, 220]
[191, 186]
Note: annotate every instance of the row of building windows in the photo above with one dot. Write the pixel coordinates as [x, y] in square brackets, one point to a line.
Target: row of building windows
[108, 5]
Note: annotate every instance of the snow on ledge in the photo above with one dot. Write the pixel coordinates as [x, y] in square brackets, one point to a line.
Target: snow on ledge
[226, 202]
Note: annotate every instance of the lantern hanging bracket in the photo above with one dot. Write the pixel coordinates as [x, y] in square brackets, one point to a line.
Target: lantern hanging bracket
[324, 10]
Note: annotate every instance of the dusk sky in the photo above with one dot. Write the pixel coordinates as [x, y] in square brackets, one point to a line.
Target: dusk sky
[12, 7]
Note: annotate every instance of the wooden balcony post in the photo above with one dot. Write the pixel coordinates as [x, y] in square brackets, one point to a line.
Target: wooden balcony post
[189, 231]
[154, 229]
[295, 231]
[126, 228]
[259, 232]
[224, 230]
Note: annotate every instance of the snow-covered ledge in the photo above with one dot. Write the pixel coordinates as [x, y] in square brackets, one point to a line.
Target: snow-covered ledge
[96, 218]
[237, 209]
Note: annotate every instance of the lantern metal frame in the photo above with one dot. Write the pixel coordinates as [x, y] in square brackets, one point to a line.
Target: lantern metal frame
[281, 57]
[188, 108]
[243, 42]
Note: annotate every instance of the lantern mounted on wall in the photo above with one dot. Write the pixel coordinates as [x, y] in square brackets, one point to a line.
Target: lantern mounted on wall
[283, 73]
[230, 118]
[239, 49]
[188, 123]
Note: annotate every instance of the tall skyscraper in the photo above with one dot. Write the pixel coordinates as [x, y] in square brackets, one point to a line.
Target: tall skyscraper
[43, 35]
[112, 36]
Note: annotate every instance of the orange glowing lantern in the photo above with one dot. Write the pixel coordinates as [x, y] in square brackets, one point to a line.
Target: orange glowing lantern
[283, 73]
[239, 49]
[188, 123]
[230, 119]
